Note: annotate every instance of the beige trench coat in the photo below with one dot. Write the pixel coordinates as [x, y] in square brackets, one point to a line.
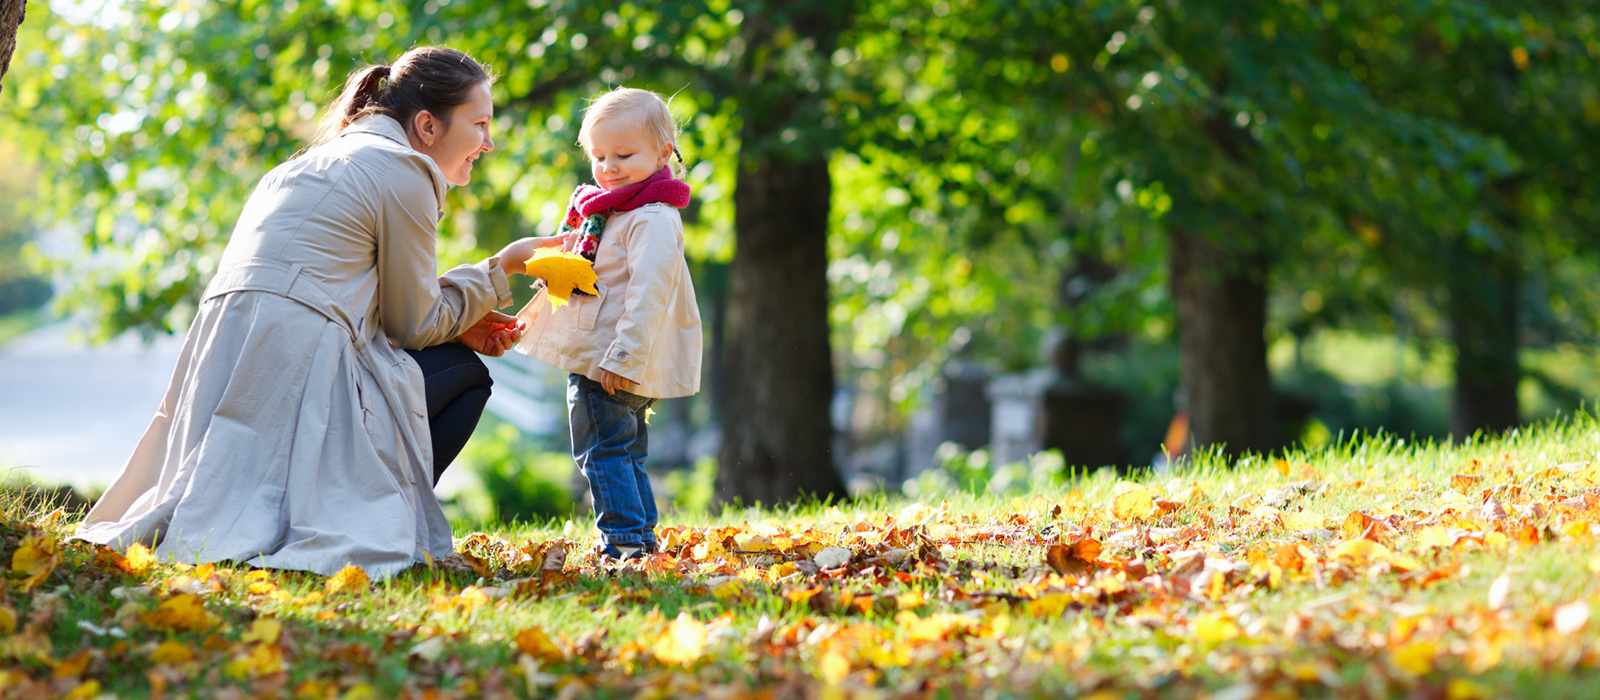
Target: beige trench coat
[294, 432]
[644, 324]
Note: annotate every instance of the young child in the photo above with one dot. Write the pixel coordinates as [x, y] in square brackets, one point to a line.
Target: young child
[638, 340]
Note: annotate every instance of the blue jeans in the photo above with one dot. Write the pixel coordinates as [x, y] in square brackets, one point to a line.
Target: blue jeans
[609, 440]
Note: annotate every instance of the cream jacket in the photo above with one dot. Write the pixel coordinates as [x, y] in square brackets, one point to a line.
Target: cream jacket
[294, 432]
[644, 324]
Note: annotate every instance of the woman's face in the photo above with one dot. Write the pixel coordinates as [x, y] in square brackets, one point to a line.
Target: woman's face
[456, 146]
[622, 153]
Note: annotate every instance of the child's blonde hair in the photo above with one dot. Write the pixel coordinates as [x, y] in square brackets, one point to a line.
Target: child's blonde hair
[645, 107]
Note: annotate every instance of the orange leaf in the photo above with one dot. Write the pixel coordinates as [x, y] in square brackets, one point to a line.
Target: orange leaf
[71, 666]
[1464, 482]
[351, 578]
[1073, 557]
[562, 272]
[535, 643]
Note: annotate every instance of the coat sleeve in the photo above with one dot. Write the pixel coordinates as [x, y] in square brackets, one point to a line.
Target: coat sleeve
[416, 309]
[654, 248]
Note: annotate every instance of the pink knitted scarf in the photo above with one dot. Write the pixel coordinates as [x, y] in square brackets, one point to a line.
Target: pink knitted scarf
[660, 187]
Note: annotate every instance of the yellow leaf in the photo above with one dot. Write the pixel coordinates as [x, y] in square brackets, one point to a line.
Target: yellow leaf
[1136, 504]
[264, 630]
[535, 643]
[351, 578]
[87, 689]
[36, 557]
[171, 652]
[832, 668]
[1416, 657]
[1300, 521]
[8, 620]
[562, 272]
[1283, 467]
[262, 588]
[1050, 606]
[183, 611]
[204, 571]
[910, 599]
[1463, 689]
[1434, 537]
[785, 569]
[932, 628]
[728, 589]
[683, 641]
[139, 558]
[1215, 628]
[1359, 552]
[263, 659]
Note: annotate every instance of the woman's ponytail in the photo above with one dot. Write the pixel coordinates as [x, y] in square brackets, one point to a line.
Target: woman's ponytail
[357, 95]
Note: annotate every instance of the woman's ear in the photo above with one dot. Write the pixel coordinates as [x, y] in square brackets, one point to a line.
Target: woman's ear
[426, 127]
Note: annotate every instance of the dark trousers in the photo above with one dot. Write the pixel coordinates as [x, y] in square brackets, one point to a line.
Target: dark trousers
[457, 385]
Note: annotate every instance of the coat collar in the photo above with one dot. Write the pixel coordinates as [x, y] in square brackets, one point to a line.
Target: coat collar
[388, 127]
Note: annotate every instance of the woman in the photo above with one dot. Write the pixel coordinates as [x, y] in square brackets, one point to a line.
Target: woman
[318, 394]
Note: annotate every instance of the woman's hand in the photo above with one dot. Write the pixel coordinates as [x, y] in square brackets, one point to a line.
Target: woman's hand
[493, 334]
[514, 257]
[611, 382]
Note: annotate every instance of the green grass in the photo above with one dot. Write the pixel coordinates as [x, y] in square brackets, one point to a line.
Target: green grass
[1174, 605]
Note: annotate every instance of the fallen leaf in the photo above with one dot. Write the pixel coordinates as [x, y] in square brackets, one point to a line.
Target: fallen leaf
[71, 666]
[261, 660]
[832, 557]
[139, 559]
[535, 643]
[683, 641]
[1134, 504]
[183, 611]
[833, 667]
[1416, 657]
[171, 652]
[1463, 483]
[36, 558]
[8, 620]
[1215, 628]
[562, 272]
[351, 578]
[1358, 552]
[264, 630]
[1302, 520]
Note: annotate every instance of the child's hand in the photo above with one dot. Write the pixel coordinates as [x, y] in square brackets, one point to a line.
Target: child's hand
[611, 382]
[493, 334]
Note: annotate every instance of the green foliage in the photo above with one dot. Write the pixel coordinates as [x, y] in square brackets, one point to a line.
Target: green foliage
[519, 481]
[22, 288]
[973, 472]
[689, 491]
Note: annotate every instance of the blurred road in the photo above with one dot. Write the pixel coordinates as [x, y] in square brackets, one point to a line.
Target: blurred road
[71, 412]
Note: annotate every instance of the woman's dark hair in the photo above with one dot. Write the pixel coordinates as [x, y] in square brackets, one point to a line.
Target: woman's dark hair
[431, 78]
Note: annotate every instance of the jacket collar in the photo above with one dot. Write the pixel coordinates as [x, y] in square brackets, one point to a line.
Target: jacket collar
[388, 127]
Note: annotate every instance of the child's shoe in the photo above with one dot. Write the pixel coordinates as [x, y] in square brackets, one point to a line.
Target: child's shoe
[619, 553]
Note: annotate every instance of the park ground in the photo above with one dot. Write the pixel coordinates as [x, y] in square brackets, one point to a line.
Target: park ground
[1371, 567]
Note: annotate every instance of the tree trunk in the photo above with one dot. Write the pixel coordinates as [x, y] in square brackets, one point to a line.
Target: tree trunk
[776, 432]
[1483, 326]
[1221, 301]
[12, 13]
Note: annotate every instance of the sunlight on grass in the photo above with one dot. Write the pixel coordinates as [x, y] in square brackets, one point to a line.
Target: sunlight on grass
[1373, 566]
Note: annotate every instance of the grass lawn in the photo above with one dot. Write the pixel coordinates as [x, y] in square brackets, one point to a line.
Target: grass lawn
[1374, 568]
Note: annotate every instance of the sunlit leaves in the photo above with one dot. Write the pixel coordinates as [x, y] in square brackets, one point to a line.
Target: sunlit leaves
[36, 557]
[350, 580]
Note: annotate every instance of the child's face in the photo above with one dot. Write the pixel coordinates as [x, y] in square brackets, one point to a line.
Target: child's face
[622, 152]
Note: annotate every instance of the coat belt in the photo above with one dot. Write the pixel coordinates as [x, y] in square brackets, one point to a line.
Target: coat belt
[284, 279]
